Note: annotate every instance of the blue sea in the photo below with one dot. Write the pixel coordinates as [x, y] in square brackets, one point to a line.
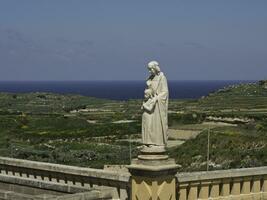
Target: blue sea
[116, 90]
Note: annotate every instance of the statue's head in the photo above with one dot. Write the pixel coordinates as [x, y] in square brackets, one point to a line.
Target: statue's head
[153, 67]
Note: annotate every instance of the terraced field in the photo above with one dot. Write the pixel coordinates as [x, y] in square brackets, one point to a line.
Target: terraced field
[240, 99]
[86, 131]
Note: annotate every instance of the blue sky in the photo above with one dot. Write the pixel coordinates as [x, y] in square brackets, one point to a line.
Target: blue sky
[113, 40]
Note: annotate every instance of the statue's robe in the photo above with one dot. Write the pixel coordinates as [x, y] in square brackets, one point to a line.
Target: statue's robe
[148, 109]
[155, 122]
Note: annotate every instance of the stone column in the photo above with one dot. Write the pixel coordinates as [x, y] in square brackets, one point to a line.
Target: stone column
[153, 178]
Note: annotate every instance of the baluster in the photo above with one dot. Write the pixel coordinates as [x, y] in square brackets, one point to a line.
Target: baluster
[69, 182]
[46, 178]
[62, 180]
[204, 190]
[215, 189]
[31, 176]
[236, 186]
[16, 174]
[264, 187]
[182, 191]
[256, 187]
[24, 175]
[193, 191]
[53, 179]
[38, 176]
[9, 172]
[246, 186]
[225, 192]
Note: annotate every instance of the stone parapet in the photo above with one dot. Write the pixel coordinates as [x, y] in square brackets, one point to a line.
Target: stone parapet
[218, 174]
[46, 173]
[148, 176]
[248, 183]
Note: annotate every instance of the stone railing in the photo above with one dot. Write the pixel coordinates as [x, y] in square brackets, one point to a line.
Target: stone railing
[69, 175]
[247, 183]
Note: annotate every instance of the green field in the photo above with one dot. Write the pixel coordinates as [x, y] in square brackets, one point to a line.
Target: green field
[86, 131]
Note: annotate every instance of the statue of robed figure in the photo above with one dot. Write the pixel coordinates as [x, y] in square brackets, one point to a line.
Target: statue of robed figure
[155, 108]
[153, 164]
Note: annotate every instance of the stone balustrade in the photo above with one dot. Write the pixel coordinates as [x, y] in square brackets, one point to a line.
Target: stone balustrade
[247, 183]
[69, 175]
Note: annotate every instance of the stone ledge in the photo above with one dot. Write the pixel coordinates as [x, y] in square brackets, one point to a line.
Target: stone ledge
[153, 168]
[81, 171]
[221, 174]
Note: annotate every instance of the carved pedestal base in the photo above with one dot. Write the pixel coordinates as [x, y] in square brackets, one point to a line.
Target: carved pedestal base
[153, 188]
[153, 178]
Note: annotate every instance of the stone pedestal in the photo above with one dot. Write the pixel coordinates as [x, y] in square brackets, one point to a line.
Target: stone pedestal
[153, 177]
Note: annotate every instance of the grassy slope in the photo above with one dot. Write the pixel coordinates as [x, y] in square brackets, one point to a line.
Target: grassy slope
[244, 99]
[230, 147]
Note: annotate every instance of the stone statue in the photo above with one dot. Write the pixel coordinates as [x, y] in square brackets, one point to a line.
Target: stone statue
[155, 110]
[153, 173]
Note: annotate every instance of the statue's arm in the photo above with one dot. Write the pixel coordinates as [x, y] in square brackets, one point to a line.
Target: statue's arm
[150, 104]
